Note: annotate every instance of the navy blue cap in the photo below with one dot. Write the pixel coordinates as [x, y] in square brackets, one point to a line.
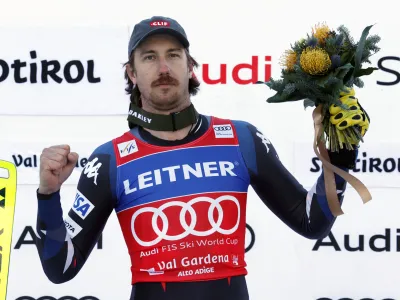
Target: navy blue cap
[156, 24]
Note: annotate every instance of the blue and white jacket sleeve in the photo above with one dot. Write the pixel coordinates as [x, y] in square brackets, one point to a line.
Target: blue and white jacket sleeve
[64, 243]
[305, 211]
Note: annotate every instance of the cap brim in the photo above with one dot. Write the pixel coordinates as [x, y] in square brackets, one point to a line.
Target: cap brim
[169, 31]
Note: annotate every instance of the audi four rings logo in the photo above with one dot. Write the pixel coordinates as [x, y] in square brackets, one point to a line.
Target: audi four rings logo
[222, 128]
[62, 298]
[188, 229]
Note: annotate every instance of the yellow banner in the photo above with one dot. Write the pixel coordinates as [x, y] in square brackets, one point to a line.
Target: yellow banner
[8, 192]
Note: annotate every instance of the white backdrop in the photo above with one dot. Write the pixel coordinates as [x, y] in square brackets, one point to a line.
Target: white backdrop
[282, 265]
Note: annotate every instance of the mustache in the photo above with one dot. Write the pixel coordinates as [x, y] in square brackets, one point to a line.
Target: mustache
[165, 80]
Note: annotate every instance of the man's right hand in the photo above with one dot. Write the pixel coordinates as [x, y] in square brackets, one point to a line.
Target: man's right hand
[56, 165]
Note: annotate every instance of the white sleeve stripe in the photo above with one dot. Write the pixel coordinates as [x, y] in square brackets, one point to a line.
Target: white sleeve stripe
[309, 198]
[70, 252]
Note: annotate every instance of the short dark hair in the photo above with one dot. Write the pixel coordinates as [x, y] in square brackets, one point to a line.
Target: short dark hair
[132, 90]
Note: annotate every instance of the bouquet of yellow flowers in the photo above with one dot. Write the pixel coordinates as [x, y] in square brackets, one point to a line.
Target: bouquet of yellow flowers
[322, 69]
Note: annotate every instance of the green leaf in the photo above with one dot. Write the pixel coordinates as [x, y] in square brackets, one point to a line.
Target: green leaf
[363, 72]
[308, 103]
[276, 85]
[345, 66]
[295, 97]
[322, 81]
[292, 77]
[358, 82]
[343, 72]
[360, 49]
[346, 75]
[346, 57]
[278, 98]
[335, 86]
[289, 89]
[348, 78]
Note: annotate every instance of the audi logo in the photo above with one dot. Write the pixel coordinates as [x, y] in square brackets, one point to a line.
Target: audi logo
[62, 298]
[222, 128]
[188, 228]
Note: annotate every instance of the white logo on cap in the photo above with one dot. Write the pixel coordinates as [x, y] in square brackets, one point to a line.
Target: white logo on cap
[159, 23]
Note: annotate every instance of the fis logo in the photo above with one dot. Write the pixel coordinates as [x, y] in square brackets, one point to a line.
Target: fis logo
[223, 131]
[127, 148]
[82, 206]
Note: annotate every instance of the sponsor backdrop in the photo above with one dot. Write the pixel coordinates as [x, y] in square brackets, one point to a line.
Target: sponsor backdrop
[61, 81]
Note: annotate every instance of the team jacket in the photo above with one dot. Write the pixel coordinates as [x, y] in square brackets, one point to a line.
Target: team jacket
[181, 205]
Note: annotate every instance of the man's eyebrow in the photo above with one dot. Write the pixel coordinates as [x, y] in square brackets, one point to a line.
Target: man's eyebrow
[144, 52]
[174, 49]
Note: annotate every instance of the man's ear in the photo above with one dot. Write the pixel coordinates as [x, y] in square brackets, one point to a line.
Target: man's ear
[191, 71]
[131, 74]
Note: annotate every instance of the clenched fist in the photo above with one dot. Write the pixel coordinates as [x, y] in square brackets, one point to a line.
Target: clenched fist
[56, 165]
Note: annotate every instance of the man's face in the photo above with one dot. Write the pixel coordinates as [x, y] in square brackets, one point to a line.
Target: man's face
[161, 72]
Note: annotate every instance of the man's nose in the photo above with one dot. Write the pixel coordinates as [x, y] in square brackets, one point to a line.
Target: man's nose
[163, 66]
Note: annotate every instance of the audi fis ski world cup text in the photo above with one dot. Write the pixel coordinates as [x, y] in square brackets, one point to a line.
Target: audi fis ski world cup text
[187, 245]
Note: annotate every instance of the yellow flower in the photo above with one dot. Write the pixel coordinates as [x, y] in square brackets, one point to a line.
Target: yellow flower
[321, 32]
[288, 60]
[315, 61]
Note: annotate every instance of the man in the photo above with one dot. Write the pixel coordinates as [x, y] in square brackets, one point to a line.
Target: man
[178, 183]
